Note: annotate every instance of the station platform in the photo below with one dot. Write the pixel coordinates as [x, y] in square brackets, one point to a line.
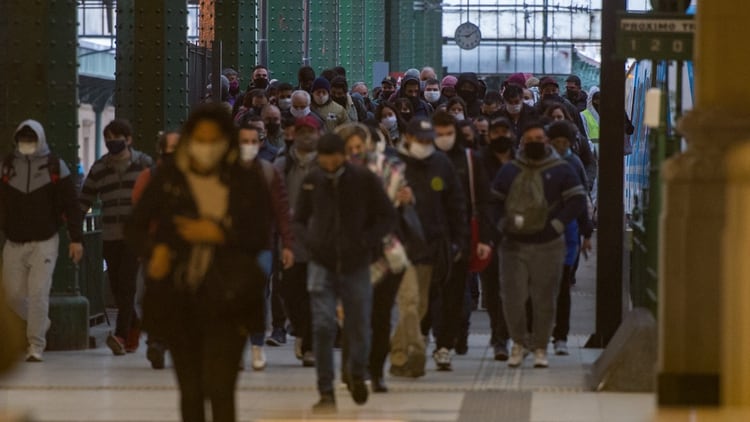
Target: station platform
[93, 385]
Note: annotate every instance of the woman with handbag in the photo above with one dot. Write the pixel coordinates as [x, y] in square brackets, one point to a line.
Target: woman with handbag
[391, 263]
[199, 226]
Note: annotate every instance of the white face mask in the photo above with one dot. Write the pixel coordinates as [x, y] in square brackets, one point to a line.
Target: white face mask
[248, 152]
[389, 122]
[285, 103]
[515, 109]
[460, 116]
[300, 113]
[529, 102]
[27, 148]
[445, 143]
[207, 156]
[321, 100]
[432, 96]
[421, 151]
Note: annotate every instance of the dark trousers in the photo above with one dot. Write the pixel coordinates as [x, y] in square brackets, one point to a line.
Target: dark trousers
[384, 296]
[562, 317]
[205, 361]
[468, 306]
[493, 302]
[297, 303]
[450, 296]
[122, 270]
[278, 316]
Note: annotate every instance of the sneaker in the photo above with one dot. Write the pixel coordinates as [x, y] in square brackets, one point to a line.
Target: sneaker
[359, 392]
[155, 355]
[308, 359]
[326, 404]
[561, 348]
[277, 338]
[34, 357]
[259, 358]
[298, 348]
[517, 355]
[442, 358]
[540, 359]
[116, 345]
[501, 352]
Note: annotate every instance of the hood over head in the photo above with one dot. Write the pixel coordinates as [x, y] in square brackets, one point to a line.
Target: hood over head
[42, 146]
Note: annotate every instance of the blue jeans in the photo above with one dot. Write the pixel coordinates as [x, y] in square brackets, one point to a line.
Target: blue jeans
[355, 292]
[265, 260]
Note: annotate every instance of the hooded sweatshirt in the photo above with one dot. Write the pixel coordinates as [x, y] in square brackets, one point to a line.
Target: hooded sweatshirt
[421, 107]
[473, 102]
[590, 118]
[32, 203]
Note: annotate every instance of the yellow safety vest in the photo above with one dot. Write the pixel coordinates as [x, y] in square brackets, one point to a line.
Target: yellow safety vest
[592, 125]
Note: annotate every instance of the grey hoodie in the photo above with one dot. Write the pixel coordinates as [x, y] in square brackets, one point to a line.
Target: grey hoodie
[32, 203]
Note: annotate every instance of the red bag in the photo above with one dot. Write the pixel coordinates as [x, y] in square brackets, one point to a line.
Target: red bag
[476, 265]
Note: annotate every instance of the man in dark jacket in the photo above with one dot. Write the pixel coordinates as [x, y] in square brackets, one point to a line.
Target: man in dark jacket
[573, 93]
[515, 110]
[441, 205]
[342, 214]
[35, 192]
[469, 89]
[410, 89]
[450, 294]
[539, 194]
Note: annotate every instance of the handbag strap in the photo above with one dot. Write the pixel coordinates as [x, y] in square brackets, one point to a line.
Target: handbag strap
[470, 161]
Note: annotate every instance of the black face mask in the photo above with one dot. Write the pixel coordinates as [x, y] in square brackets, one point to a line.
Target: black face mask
[406, 116]
[414, 101]
[341, 101]
[468, 96]
[273, 128]
[260, 83]
[116, 146]
[501, 145]
[552, 98]
[535, 150]
[386, 94]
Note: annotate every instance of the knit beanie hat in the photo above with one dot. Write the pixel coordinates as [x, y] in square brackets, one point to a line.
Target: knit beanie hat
[321, 83]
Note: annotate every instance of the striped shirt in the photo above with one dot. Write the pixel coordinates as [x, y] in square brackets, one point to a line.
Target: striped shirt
[113, 187]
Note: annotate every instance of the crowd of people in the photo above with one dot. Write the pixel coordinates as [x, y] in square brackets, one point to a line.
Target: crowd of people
[311, 209]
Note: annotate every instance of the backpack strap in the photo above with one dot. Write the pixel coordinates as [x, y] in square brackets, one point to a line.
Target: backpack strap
[470, 162]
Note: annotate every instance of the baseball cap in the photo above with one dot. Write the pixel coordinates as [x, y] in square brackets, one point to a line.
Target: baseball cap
[548, 80]
[307, 121]
[421, 128]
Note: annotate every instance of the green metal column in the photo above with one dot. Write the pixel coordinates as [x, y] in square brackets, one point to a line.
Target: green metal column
[375, 33]
[324, 34]
[39, 80]
[434, 40]
[236, 26]
[352, 48]
[286, 21]
[125, 60]
[160, 74]
[401, 45]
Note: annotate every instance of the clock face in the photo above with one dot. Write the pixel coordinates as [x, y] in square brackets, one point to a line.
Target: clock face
[468, 36]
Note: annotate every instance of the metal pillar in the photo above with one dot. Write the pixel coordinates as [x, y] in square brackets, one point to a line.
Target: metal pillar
[39, 80]
[324, 34]
[236, 26]
[286, 21]
[352, 48]
[609, 269]
[125, 61]
[160, 69]
[375, 35]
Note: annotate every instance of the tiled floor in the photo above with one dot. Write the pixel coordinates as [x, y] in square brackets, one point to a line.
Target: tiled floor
[93, 385]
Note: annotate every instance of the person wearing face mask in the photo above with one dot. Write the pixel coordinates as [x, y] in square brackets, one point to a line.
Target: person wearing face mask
[574, 93]
[234, 85]
[259, 82]
[250, 143]
[410, 90]
[37, 190]
[448, 87]
[530, 96]
[165, 146]
[492, 105]
[339, 94]
[550, 91]
[200, 226]
[468, 89]
[323, 105]
[388, 117]
[284, 97]
[496, 154]
[538, 194]
[450, 294]
[266, 151]
[342, 214]
[562, 135]
[457, 107]
[388, 88]
[295, 165]
[432, 93]
[301, 101]
[439, 200]
[271, 116]
[515, 110]
[111, 179]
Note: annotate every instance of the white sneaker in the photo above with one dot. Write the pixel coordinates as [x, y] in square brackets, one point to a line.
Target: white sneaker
[442, 358]
[259, 358]
[561, 348]
[32, 356]
[517, 354]
[540, 359]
